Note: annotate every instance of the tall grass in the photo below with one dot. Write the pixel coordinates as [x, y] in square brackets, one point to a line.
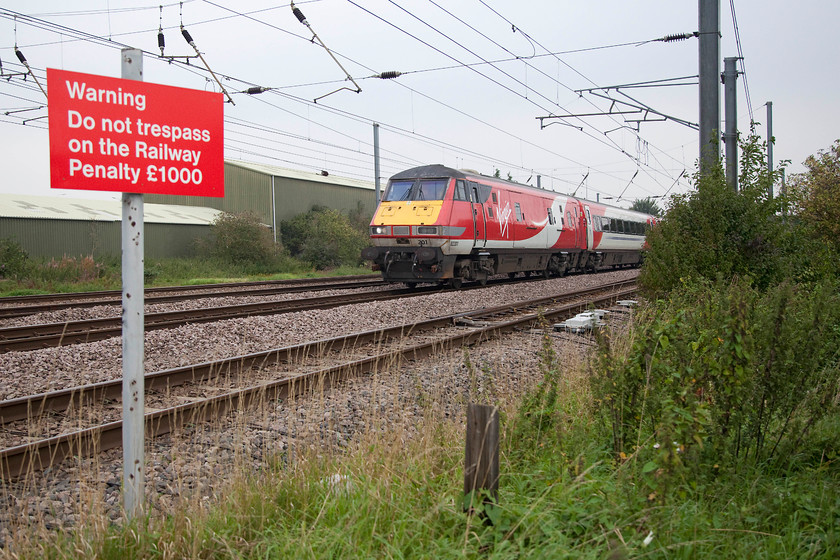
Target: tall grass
[393, 489]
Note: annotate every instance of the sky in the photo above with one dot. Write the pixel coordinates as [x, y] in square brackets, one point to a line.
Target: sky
[475, 77]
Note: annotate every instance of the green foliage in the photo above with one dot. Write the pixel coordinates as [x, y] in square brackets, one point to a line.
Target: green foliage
[73, 270]
[241, 239]
[647, 205]
[540, 412]
[714, 231]
[815, 195]
[13, 258]
[324, 237]
[722, 375]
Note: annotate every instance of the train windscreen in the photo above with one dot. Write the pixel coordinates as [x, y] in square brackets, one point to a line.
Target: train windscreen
[431, 189]
[398, 190]
[424, 189]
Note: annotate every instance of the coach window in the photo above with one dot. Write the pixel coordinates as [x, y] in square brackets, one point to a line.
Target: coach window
[489, 211]
[460, 191]
[605, 224]
[550, 216]
[597, 220]
[518, 212]
[569, 221]
[495, 200]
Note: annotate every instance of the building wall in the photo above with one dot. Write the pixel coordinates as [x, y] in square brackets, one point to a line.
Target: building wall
[247, 190]
[78, 238]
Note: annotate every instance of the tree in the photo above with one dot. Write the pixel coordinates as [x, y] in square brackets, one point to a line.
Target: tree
[324, 237]
[715, 232]
[242, 239]
[648, 206]
[815, 194]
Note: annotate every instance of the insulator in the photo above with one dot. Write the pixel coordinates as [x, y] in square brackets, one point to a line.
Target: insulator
[255, 90]
[187, 36]
[161, 42]
[677, 37]
[20, 56]
[389, 75]
[300, 16]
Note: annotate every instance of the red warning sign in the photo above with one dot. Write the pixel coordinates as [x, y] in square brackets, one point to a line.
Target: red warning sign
[112, 134]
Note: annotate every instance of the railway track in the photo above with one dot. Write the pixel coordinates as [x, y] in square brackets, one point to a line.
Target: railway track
[41, 430]
[20, 306]
[49, 335]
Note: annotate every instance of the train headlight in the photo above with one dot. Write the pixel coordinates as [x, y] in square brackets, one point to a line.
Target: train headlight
[380, 230]
[428, 230]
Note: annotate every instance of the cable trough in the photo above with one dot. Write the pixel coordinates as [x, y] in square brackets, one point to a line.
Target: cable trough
[41, 430]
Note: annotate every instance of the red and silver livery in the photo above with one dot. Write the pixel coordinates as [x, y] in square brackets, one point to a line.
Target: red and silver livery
[437, 224]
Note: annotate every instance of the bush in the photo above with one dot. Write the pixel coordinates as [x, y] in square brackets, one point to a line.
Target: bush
[13, 259]
[323, 237]
[722, 375]
[241, 239]
[714, 232]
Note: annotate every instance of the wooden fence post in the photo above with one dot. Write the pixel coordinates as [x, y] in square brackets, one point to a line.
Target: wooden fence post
[481, 463]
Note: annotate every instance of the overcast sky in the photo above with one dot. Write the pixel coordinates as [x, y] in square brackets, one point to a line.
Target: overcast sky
[533, 55]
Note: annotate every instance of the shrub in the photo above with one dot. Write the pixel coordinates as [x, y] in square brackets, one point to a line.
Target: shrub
[722, 374]
[72, 270]
[13, 258]
[323, 237]
[242, 239]
[715, 231]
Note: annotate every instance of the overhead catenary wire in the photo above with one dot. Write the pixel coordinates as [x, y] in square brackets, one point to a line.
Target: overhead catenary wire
[515, 28]
[476, 71]
[410, 133]
[741, 58]
[301, 18]
[112, 44]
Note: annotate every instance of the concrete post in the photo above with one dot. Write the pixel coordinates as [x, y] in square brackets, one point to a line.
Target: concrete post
[376, 161]
[770, 143]
[730, 138]
[709, 70]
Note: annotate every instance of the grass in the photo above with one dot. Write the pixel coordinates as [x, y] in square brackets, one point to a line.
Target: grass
[85, 275]
[395, 491]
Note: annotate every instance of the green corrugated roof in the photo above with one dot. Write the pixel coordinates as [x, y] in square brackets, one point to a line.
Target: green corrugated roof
[302, 175]
[60, 208]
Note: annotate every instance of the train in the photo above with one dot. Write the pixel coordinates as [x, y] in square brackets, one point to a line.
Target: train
[436, 224]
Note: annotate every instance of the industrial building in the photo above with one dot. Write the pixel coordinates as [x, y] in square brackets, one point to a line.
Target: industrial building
[276, 194]
[52, 226]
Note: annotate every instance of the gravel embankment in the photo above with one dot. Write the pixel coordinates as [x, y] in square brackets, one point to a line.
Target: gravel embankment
[193, 463]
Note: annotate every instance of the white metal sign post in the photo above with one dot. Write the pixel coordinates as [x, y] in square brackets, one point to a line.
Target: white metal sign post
[133, 388]
[125, 135]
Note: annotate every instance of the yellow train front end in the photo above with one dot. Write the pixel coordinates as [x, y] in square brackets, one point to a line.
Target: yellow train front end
[410, 234]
